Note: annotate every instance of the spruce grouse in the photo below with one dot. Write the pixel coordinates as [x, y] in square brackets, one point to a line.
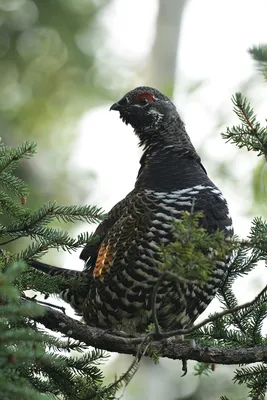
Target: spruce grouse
[121, 269]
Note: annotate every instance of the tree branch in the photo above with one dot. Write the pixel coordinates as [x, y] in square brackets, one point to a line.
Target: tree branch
[171, 348]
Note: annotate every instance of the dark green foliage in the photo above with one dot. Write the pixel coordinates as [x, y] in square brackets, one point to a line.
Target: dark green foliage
[256, 379]
[33, 224]
[243, 328]
[203, 369]
[33, 363]
[249, 133]
[194, 253]
[259, 54]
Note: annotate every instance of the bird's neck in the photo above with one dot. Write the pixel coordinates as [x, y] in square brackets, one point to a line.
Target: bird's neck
[170, 168]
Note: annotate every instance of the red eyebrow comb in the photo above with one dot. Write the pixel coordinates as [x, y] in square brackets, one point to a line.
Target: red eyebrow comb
[147, 96]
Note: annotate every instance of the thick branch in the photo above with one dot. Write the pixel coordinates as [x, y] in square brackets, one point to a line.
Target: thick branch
[171, 348]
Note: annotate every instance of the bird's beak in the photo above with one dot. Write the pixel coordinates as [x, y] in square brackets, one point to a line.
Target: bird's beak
[115, 107]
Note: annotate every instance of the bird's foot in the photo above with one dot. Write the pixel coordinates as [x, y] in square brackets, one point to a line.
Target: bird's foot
[191, 346]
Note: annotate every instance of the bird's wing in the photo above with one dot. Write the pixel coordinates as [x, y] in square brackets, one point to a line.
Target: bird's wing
[141, 222]
[123, 278]
[216, 212]
[90, 251]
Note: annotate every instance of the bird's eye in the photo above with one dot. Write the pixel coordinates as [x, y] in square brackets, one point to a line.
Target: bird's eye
[143, 101]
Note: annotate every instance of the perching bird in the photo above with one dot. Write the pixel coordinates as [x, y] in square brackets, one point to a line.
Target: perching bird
[122, 268]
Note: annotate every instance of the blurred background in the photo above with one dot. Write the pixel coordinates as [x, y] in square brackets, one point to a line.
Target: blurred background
[64, 62]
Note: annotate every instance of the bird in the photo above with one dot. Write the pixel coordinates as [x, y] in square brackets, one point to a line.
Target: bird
[123, 265]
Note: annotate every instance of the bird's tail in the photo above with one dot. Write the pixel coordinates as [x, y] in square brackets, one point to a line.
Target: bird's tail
[74, 294]
[54, 271]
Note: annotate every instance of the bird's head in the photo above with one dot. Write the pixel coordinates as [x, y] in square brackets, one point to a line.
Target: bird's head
[147, 110]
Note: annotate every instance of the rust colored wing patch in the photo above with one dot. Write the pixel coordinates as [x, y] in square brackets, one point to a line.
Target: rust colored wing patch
[104, 260]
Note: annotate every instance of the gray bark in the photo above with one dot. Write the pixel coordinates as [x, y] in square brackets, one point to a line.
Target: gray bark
[171, 348]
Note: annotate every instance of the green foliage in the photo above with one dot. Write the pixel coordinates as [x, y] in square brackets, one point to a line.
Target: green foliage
[155, 355]
[259, 54]
[120, 384]
[256, 379]
[35, 364]
[249, 133]
[203, 369]
[194, 252]
[243, 328]
[8, 162]
[24, 222]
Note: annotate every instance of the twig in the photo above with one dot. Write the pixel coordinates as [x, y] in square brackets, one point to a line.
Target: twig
[154, 304]
[9, 241]
[45, 303]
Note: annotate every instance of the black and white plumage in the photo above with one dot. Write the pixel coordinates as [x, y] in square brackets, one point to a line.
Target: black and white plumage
[122, 269]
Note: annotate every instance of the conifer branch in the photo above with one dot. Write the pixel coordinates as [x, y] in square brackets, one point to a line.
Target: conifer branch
[259, 54]
[250, 133]
[9, 156]
[164, 346]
